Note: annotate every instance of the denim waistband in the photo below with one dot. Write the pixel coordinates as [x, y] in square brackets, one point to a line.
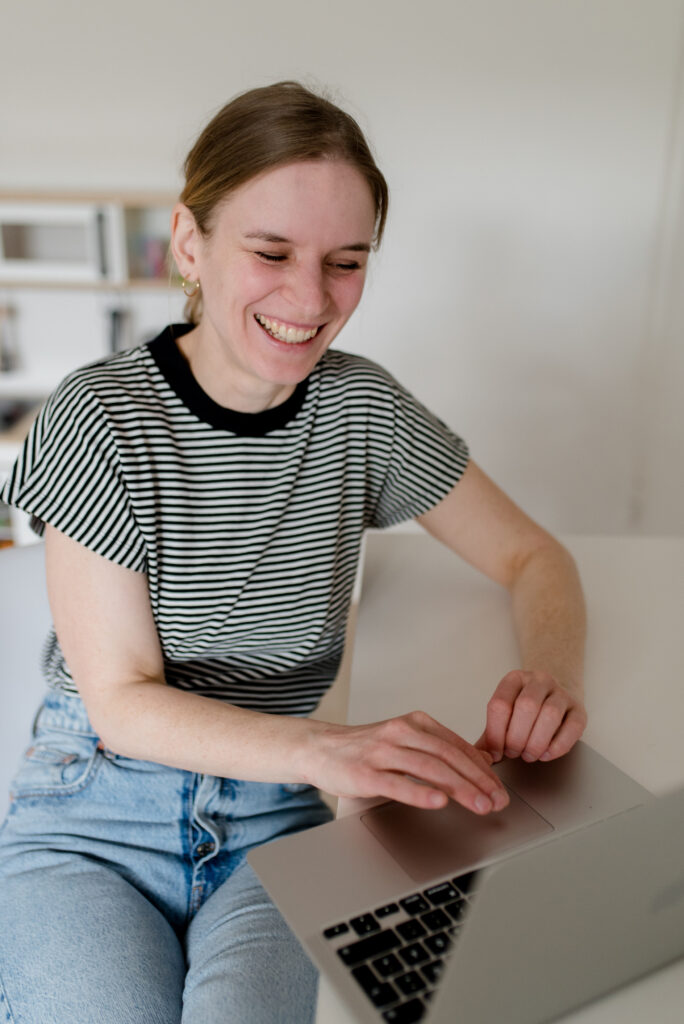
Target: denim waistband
[61, 710]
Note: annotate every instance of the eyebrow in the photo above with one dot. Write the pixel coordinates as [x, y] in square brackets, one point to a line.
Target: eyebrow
[268, 236]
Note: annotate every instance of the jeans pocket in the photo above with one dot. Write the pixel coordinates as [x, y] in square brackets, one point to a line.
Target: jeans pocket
[56, 767]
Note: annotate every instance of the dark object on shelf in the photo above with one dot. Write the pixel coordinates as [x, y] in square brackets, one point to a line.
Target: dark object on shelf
[9, 356]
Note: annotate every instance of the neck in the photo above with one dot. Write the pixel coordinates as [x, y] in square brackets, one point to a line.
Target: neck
[225, 383]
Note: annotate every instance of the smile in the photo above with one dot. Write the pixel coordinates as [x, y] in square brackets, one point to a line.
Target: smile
[284, 332]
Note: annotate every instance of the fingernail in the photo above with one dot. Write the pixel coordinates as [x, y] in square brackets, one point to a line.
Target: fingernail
[483, 804]
[510, 752]
[500, 801]
[546, 756]
[528, 757]
[497, 755]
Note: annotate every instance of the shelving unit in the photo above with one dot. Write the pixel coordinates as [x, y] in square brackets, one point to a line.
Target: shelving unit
[80, 239]
[82, 275]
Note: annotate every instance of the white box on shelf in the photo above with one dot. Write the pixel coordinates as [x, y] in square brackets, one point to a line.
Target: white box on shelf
[62, 242]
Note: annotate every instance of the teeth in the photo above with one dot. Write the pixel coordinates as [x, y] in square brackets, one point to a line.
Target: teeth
[291, 335]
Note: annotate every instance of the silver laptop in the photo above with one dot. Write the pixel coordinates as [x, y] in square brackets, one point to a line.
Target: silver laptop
[574, 889]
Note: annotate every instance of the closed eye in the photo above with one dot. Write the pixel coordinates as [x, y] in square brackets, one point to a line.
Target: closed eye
[272, 257]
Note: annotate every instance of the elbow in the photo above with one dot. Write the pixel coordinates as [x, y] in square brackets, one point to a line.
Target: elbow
[104, 724]
[110, 715]
[545, 557]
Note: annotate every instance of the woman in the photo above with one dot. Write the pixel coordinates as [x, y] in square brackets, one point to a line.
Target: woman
[204, 498]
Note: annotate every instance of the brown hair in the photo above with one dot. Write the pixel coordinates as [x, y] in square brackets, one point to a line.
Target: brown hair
[265, 128]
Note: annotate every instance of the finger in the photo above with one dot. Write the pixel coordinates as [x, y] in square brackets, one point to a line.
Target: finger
[425, 733]
[526, 709]
[463, 759]
[570, 731]
[471, 749]
[499, 711]
[548, 722]
[483, 746]
[395, 786]
[457, 784]
[399, 787]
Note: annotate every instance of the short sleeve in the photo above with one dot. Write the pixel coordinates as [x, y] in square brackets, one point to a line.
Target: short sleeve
[424, 461]
[68, 475]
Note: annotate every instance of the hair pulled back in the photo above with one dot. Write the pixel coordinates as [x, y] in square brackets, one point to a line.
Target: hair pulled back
[265, 128]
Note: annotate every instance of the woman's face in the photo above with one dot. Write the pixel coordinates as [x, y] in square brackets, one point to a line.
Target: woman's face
[282, 270]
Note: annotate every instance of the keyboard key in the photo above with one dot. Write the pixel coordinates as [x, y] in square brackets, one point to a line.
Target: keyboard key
[438, 943]
[387, 965]
[415, 904]
[457, 910]
[442, 893]
[414, 954]
[435, 920]
[380, 993]
[335, 930]
[412, 929]
[365, 949]
[389, 908]
[410, 983]
[364, 924]
[432, 971]
[409, 1013]
[464, 883]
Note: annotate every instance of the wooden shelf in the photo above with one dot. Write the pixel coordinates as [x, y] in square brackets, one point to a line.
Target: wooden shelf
[135, 283]
[121, 198]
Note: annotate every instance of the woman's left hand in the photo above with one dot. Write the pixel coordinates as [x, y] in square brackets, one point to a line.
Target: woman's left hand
[532, 716]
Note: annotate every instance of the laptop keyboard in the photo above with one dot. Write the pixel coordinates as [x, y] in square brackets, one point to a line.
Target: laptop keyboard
[396, 952]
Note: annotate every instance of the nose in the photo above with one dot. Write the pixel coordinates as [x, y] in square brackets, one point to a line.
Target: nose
[306, 290]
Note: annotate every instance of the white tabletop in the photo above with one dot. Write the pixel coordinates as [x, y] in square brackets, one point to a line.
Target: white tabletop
[434, 634]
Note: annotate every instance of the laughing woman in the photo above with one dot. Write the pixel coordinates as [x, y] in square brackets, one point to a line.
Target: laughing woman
[203, 499]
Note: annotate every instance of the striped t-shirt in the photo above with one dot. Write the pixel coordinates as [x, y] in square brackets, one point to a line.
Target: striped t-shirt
[247, 525]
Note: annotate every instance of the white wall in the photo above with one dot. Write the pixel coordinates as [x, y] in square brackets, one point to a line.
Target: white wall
[529, 285]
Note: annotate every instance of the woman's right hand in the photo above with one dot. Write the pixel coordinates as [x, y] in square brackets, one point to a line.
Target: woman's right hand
[413, 759]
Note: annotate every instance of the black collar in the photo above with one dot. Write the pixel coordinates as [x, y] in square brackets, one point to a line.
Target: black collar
[178, 375]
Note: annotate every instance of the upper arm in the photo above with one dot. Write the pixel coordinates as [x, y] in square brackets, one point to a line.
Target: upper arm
[103, 620]
[482, 525]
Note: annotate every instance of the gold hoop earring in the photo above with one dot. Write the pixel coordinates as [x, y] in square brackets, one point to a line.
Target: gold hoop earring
[195, 288]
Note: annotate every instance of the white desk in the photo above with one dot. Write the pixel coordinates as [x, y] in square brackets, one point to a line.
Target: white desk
[434, 634]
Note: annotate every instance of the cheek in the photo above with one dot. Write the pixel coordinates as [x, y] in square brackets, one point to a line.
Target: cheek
[239, 283]
[348, 293]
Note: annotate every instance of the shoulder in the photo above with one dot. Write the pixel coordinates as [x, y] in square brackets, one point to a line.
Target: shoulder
[352, 373]
[114, 370]
[105, 384]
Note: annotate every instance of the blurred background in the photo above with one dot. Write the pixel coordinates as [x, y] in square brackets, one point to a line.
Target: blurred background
[530, 285]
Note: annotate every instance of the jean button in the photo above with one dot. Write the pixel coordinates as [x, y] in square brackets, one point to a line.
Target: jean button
[204, 848]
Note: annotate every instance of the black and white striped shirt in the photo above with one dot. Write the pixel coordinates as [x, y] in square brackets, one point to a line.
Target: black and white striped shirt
[248, 526]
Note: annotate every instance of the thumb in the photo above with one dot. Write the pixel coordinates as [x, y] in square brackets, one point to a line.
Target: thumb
[481, 744]
[483, 747]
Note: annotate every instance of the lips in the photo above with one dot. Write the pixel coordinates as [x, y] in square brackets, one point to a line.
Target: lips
[282, 331]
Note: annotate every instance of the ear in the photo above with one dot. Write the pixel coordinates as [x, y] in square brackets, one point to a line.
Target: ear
[186, 240]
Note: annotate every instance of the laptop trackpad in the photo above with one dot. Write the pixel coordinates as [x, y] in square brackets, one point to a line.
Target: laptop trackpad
[431, 843]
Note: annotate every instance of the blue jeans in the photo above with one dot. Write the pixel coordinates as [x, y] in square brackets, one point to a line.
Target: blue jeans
[125, 897]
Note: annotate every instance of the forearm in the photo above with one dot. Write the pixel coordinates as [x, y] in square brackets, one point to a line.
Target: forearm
[151, 721]
[550, 617]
